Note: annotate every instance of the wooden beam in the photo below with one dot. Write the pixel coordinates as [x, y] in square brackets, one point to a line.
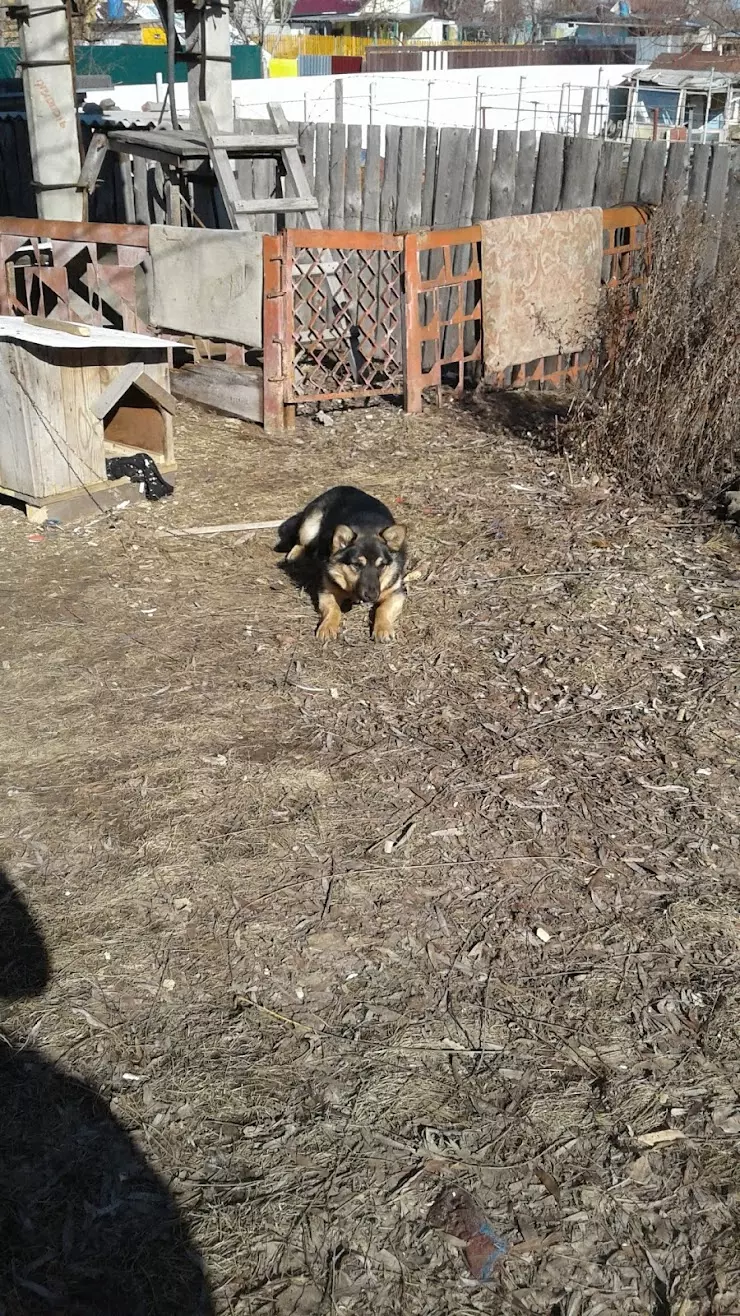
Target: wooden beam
[93, 163]
[288, 205]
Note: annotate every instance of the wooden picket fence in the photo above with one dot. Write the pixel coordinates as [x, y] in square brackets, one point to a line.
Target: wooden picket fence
[408, 178]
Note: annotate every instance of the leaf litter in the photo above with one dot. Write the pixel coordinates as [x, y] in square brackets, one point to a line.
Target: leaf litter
[300, 894]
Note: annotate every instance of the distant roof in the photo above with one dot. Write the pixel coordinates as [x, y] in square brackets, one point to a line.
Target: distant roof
[686, 79]
[319, 8]
[698, 60]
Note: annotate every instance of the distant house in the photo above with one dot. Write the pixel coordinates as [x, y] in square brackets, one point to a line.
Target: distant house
[400, 20]
[644, 37]
[693, 96]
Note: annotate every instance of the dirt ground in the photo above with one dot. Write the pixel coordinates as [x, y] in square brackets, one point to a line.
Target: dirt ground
[318, 932]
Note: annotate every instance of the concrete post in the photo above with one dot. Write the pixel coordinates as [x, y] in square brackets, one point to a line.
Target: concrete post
[48, 90]
[208, 35]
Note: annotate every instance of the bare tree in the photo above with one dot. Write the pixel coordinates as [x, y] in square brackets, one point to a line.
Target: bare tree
[254, 18]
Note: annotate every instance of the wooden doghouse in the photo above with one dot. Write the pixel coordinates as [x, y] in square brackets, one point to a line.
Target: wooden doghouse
[70, 396]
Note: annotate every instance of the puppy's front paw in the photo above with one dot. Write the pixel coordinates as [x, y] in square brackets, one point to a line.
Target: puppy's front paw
[383, 632]
[328, 630]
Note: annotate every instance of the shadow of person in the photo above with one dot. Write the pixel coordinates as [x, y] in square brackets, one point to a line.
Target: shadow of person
[87, 1228]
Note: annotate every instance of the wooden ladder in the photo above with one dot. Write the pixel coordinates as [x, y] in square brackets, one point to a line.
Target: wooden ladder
[238, 210]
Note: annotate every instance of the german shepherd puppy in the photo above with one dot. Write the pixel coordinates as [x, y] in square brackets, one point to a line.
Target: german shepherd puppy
[360, 554]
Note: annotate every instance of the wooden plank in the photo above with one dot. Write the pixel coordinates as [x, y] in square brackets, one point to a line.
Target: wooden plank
[222, 168]
[731, 223]
[230, 390]
[293, 165]
[371, 186]
[278, 205]
[503, 178]
[93, 163]
[409, 168]
[306, 142]
[581, 160]
[585, 119]
[452, 157]
[155, 180]
[352, 178]
[631, 190]
[265, 190]
[389, 187]
[60, 326]
[698, 173]
[321, 182]
[608, 185]
[484, 168]
[526, 168]
[462, 253]
[652, 174]
[172, 199]
[467, 194]
[336, 175]
[549, 173]
[719, 172]
[417, 180]
[431, 143]
[252, 143]
[674, 183]
[141, 194]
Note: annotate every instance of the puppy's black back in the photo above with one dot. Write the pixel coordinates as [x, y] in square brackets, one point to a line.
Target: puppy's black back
[342, 505]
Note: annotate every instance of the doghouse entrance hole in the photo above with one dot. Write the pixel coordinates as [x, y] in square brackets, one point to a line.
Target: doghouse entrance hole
[135, 422]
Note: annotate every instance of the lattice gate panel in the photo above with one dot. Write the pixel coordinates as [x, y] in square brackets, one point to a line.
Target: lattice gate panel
[338, 329]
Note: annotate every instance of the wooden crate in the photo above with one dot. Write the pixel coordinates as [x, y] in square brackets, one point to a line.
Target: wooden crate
[68, 401]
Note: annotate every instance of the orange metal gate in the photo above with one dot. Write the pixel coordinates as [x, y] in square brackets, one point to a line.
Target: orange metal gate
[333, 319]
[353, 315]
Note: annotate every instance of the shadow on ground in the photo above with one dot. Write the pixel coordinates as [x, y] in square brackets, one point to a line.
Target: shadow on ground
[87, 1227]
[537, 417]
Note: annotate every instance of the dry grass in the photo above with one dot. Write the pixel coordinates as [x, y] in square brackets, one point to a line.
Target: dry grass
[664, 414]
[295, 892]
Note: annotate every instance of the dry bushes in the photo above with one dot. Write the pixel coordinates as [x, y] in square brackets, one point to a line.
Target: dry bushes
[663, 414]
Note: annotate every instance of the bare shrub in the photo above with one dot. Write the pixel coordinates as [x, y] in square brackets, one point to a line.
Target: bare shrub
[663, 412]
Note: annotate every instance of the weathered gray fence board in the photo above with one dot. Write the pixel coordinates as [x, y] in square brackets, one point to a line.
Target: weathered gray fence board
[581, 161]
[337, 162]
[731, 224]
[407, 170]
[652, 174]
[451, 160]
[549, 175]
[484, 167]
[608, 185]
[321, 179]
[503, 178]
[352, 179]
[430, 177]
[631, 190]
[371, 181]
[389, 189]
[674, 183]
[698, 173]
[417, 179]
[526, 166]
[719, 172]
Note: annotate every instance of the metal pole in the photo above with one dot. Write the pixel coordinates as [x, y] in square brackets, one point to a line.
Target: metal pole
[519, 103]
[560, 106]
[709, 101]
[171, 60]
[429, 101]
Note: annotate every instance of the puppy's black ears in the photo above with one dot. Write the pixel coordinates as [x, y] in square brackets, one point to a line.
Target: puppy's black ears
[394, 536]
[343, 537]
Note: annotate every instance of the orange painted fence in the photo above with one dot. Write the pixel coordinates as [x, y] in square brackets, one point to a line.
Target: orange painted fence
[355, 315]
